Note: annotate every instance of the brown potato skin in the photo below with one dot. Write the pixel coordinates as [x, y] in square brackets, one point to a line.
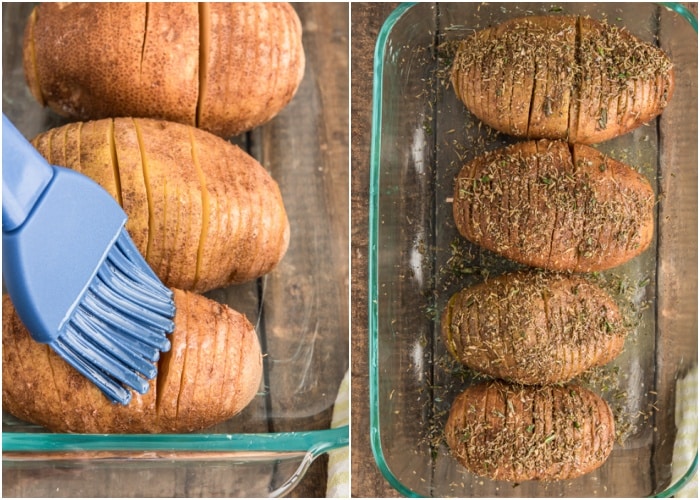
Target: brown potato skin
[554, 206]
[533, 328]
[203, 213]
[561, 77]
[518, 433]
[193, 389]
[263, 42]
[224, 67]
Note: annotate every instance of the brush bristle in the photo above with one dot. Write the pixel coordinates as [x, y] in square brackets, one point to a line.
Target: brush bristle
[71, 348]
[118, 329]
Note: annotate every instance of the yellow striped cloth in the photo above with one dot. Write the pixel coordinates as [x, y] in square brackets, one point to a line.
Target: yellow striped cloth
[338, 485]
[686, 444]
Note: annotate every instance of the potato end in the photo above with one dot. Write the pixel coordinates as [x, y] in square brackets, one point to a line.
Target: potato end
[31, 70]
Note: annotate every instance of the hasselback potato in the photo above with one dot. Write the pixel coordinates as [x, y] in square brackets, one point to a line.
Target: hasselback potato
[203, 213]
[533, 328]
[518, 433]
[561, 77]
[550, 205]
[212, 371]
[225, 67]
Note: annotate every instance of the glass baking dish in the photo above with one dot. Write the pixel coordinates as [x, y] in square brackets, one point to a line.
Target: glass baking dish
[421, 136]
[300, 312]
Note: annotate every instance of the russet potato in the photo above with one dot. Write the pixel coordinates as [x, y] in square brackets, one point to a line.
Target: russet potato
[555, 206]
[212, 371]
[203, 213]
[516, 433]
[533, 328]
[224, 67]
[561, 77]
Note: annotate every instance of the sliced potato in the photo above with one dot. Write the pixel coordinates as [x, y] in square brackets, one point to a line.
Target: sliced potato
[224, 67]
[562, 77]
[519, 433]
[533, 328]
[194, 389]
[583, 211]
[202, 212]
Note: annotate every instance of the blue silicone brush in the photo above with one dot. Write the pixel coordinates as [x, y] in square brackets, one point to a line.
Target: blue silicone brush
[75, 277]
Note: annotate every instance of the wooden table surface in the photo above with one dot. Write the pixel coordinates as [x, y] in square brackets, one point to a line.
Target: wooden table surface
[366, 22]
[301, 307]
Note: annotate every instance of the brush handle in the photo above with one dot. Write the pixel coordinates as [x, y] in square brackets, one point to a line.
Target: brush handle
[25, 175]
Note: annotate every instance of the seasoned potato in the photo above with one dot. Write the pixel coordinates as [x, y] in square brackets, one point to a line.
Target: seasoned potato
[225, 67]
[519, 433]
[533, 328]
[202, 212]
[561, 77]
[212, 371]
[559, 207]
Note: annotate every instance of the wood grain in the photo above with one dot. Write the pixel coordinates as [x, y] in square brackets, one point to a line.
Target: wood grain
[367, 20]
[306, 149]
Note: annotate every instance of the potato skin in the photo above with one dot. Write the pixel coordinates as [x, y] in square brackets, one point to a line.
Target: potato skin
[224, 67]
[202, 212]
[519, 433]
[558, 207]
[263, 41]
[197, 385]
[533, 328]
[561, 77]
